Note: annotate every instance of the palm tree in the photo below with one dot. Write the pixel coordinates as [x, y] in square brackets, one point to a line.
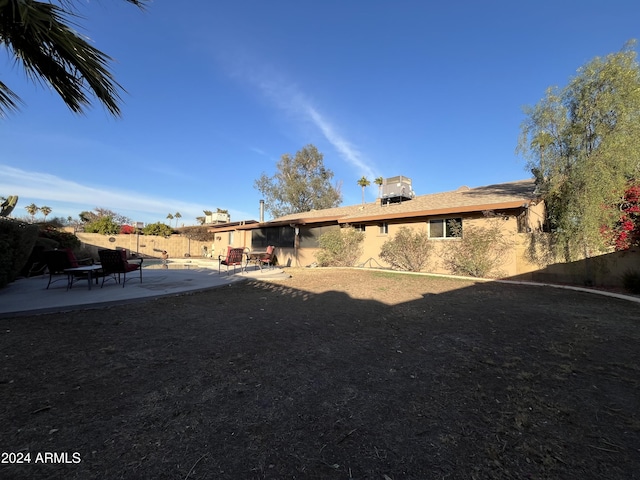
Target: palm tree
[379, 181]
[32, 210]
[170, 217]
[41, 36]
[363, 182]
[177, 216]
[45, 211]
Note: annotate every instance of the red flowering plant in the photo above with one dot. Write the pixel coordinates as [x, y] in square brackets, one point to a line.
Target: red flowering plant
[626, 233]
[127, 229]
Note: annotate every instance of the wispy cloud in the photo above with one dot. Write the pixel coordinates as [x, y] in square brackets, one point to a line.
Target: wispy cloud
[259, 151]
[289, 98]
[43, 187]
[346, 150]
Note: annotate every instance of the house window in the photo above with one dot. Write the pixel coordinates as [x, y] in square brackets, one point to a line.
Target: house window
[277, 236]
[445, 228]
[359, 227]
[310, 236]
[384, 228]
[231, 237]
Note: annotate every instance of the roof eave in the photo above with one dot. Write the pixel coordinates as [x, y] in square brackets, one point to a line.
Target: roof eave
[229, 226]
[437, 211]
[300, 221]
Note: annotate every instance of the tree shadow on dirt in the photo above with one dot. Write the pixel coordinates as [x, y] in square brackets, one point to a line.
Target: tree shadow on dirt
[263, 380]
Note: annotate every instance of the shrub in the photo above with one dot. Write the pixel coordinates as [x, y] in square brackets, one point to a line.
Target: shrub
[62, 239]
[48, 238]
[408, 250]
[103, 225]
[479, 252]
[631, 281]
[340, 247]
[16, 242]
[198, 233]
[159, 229]
[626, 232]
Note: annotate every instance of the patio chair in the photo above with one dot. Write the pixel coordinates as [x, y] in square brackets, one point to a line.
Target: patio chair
[114, 263]
[36, 264]
[58, 261]
[269, 257]
[233, 258]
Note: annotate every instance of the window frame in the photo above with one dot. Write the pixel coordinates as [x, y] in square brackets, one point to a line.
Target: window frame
[445, 228]
[282, 237]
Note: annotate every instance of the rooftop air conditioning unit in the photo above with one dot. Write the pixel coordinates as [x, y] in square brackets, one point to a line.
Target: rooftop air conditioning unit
[218, 217]
[396, 189]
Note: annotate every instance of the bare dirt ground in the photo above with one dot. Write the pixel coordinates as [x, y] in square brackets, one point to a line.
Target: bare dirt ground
[330, 374]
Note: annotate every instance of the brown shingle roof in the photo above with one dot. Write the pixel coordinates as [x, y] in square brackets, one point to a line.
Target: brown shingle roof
[462, 200]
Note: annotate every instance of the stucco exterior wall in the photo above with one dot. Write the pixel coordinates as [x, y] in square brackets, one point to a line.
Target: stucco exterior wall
[602, 270]
[176, 246]
[520, 262]
[374, 239]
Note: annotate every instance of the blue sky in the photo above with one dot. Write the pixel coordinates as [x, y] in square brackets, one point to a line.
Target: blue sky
[217, 92]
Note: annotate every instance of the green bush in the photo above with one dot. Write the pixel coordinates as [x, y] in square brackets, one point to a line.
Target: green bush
[631, 281]
[6, 258]
[340, 247]
[479, 252]
[160, 229]
[408, 250]
[103, 225]
[199, 233]
[63, 239]
[16, 242]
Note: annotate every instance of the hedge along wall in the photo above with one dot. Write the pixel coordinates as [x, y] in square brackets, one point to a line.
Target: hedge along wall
[177, 246]
[16, 242]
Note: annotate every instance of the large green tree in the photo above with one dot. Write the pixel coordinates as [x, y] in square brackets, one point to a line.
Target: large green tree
[40, 36]
[100, 212]
[301, 183]
[583, 146]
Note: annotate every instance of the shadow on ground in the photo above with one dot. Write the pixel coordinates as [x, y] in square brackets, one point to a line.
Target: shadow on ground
[288, 380]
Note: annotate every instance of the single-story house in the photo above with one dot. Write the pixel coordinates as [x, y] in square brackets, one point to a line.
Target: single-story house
[515, 204]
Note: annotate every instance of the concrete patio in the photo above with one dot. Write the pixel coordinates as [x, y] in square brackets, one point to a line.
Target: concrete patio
[28, 296]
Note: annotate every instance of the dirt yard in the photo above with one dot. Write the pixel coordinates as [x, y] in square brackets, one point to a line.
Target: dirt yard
[330, 374]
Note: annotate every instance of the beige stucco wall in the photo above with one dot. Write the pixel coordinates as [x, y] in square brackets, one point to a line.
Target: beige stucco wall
[519, 263]
[606, 269]
[176, 246]
[374, 240]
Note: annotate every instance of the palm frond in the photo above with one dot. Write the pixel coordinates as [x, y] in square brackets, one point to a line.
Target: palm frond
[41, 37]
[9, 101]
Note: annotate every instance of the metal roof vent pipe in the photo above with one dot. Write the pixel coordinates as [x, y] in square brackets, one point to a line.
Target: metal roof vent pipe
[261, 211]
